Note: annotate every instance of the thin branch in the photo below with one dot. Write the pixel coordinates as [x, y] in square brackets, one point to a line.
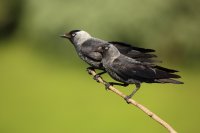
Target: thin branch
[138, 105]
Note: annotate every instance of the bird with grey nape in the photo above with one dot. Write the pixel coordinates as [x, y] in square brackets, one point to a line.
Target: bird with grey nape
[86, 47]
[130, 71]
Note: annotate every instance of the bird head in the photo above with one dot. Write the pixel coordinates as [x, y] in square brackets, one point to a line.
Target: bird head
[77, 37]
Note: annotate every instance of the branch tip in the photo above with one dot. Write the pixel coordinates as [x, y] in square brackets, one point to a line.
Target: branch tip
[134, 103]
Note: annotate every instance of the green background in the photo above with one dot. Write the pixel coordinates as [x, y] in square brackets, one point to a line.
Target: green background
[44, 86]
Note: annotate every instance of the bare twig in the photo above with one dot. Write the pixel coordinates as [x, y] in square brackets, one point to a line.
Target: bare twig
[138, 105]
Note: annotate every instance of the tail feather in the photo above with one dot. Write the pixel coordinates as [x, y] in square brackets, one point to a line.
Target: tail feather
[136, 54]
[147, 60]
[174, 76]
[166, 69]
[160, 74]
[168, 81]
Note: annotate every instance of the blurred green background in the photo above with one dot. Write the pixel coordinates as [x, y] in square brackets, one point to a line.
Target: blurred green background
[44, 87]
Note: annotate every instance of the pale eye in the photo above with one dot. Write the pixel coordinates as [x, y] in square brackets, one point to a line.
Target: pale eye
[99, 48]
[73, 34]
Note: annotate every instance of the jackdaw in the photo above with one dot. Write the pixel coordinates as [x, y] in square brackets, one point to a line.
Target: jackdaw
[86, 46]
[130, 71]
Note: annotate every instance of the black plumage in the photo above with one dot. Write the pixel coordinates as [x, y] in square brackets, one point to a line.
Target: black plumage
[86, 46]
[140, 54]
[130, 71]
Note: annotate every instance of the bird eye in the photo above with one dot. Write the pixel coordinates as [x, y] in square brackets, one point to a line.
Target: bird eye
[100, 48]
[73, 34]
[106, 48]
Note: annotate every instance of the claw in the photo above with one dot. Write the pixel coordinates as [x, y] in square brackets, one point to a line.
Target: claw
[89, 71]
[107, 85]
[96, 77]
[127, 99]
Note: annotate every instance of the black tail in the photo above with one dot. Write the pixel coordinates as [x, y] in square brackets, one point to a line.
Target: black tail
[173, 75]
[166, 69]
[165, 75]
[168, 81]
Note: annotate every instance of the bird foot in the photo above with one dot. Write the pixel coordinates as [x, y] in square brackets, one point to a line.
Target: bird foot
[107, 86]
[96, 77]
[127, 99]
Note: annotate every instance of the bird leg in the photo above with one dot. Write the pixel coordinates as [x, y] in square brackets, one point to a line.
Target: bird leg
[98, 75]
[134, 91]
[89, 69]
[108, 84]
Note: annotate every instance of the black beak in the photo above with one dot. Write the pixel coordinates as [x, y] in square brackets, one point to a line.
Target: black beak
[66, 35]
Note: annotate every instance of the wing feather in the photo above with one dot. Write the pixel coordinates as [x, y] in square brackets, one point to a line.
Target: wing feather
[89, 49]
[125, 46]
[140, 54]
[134, 70]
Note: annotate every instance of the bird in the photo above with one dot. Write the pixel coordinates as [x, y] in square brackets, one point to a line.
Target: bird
[86, 47]
[130, 71]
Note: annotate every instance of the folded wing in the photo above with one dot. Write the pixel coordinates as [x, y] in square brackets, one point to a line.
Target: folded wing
[140, 54]
[144, 73]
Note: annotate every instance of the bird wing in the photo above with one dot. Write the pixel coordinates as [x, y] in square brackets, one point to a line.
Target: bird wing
[90, 48]
[128, 68]
[140, 54]
[166, 69]
[125, 46]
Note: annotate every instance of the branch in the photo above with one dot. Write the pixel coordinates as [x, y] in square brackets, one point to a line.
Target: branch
[138, 105]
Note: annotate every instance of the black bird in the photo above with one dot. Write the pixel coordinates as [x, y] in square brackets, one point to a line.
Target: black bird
[86, 46]
[130, 71]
